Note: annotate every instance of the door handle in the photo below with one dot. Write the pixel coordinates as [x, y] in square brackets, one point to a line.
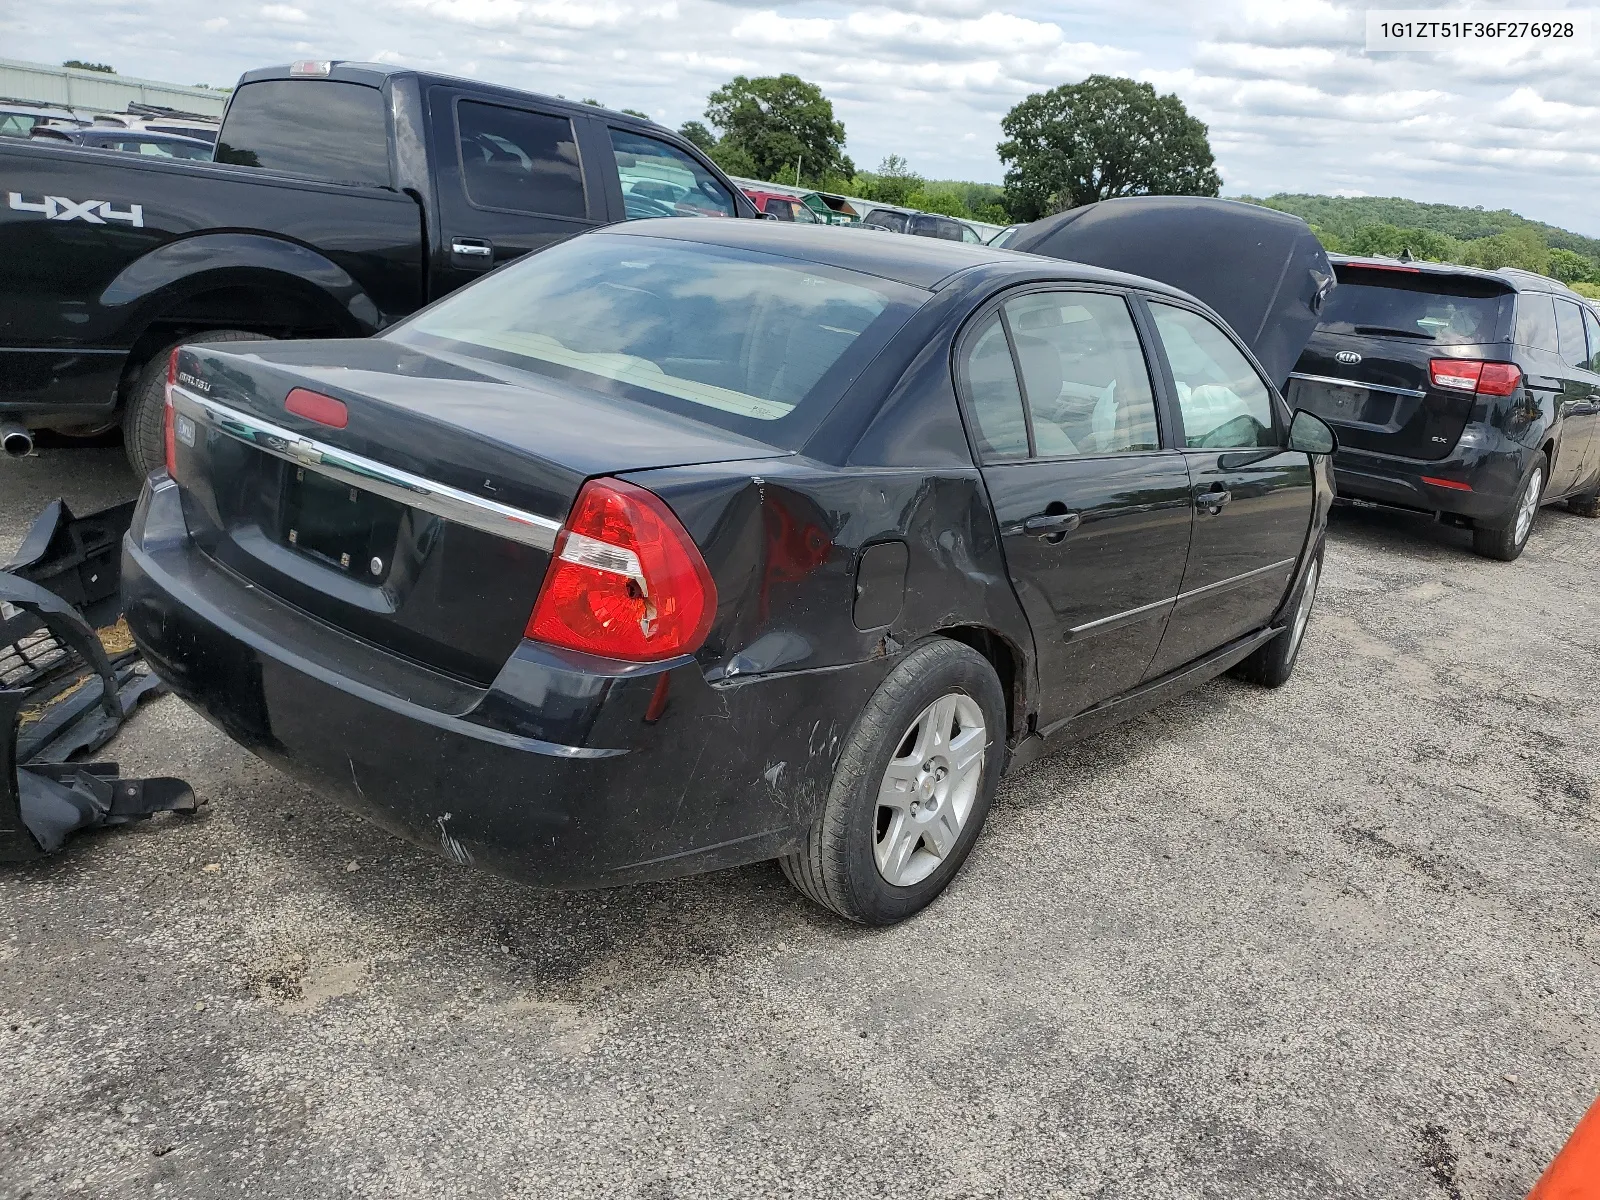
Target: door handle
[1052, 524]
[1213, 500]
[471, 248]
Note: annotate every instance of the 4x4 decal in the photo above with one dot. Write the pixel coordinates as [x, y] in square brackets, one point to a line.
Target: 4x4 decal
[96, 212]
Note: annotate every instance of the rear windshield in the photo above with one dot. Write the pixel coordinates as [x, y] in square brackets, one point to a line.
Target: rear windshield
[313, 127]
[1446, 310]
[755, 343]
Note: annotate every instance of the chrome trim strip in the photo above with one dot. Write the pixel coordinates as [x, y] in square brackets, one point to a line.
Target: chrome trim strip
[452, 504]
[1371, 387]
[1221, 585]
[1117, 618]
[1233, 581]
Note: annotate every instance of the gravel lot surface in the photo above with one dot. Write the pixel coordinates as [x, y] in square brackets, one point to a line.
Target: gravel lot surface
[1338, 940]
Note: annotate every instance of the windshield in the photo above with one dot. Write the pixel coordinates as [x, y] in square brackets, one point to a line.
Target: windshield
[1447, 311]
[755, 343]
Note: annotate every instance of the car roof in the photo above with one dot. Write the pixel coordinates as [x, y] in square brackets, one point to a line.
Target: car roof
[917, 261]
[375, 74]
[1512, 278]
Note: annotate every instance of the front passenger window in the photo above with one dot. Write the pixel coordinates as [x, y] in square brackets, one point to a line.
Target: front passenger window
[659, 180]
[1223, 401]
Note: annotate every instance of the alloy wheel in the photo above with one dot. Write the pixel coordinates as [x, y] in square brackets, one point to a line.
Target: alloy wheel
[1308, 597]
[929, 788]
[1528, 506]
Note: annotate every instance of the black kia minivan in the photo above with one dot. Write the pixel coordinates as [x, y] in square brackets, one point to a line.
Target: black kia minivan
[1470, 395]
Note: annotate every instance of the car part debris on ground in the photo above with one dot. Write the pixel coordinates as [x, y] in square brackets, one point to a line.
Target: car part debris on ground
[69, 677]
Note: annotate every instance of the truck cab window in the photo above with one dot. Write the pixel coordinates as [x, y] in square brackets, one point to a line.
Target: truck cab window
[659, 180]
[525, 161]
[318, 128]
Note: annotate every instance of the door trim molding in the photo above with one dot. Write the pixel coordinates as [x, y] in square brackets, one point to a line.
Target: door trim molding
[1233, 581]
[1103, 624]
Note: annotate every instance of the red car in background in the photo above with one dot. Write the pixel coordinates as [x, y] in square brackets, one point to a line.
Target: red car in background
[777, 207]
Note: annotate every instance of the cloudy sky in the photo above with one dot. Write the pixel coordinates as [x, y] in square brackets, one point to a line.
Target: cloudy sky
[1293, 101]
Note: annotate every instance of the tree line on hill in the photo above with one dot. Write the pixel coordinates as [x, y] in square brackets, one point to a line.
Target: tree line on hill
[1095, 140]
[1472, 237]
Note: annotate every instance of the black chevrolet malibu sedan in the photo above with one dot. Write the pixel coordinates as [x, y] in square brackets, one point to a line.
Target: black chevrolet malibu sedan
[689, 544]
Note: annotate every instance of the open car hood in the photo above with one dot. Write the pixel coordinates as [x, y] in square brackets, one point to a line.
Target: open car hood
[1263, 271]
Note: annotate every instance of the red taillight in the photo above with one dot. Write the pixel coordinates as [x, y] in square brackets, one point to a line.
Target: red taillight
[1455, 485]
[626, 580]
[1470, 375]
[169, 433]
[314, 406]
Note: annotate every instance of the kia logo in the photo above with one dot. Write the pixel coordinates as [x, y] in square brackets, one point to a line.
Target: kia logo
[1348, 357]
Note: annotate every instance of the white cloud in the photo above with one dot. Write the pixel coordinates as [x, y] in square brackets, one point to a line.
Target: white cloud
[1292, 100]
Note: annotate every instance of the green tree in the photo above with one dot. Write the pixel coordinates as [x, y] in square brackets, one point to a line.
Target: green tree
[939, 201]
[80, 65]
[1570, 267]
[696, 133]
[1393, 242]
[1098, 139]
[634, 112]
[892, 183]
[777, 125]
[1515, 248]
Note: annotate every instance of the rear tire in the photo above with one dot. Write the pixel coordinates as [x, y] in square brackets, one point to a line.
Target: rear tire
[144, 418]
[911, 789]
[1272, 665]
[1506, 539]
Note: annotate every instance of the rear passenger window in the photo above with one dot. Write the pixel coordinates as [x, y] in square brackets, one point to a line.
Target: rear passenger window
[1223, 401]
[1569, 333]
[659, 180]
[1536, 321]
[1083, 374]
[996, 401]
[524, 161]
[1592, 328]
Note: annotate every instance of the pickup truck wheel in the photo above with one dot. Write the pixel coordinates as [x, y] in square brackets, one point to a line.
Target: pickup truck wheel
[1272, 665]
[911, 788]
[1506, 538]
[144, 418]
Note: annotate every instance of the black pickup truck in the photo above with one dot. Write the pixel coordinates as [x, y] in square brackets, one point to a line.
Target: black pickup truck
[344, 196]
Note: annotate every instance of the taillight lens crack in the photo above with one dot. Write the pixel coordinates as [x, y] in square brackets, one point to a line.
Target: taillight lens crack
[626, 580]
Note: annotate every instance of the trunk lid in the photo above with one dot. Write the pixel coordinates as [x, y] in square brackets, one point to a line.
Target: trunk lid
[1365, 369]
[424, 523]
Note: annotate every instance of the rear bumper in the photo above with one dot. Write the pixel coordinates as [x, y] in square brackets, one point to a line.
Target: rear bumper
[49, 388]
[1490, 466]
[561, 773]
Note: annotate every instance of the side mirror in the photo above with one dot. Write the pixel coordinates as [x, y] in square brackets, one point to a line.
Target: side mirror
[1310, 434]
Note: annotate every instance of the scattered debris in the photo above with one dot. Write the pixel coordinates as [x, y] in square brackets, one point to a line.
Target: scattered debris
[69, 676]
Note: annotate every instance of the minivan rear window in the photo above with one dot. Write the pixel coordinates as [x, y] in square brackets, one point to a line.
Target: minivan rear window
[319, 128]
[1447, 310]
[755, 343]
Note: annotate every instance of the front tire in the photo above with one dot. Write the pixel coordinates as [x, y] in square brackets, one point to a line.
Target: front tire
[1507, 539]
[1272, 665]
[911, 789]
[144, 417]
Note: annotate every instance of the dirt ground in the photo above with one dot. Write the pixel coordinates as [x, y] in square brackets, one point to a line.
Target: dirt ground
[1338, 940]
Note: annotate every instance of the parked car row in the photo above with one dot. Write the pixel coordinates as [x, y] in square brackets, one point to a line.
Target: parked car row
[684, 544]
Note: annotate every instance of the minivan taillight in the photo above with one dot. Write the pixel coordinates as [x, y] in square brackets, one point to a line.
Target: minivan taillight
[1470, 375]
[626, 580]
[169, 433]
